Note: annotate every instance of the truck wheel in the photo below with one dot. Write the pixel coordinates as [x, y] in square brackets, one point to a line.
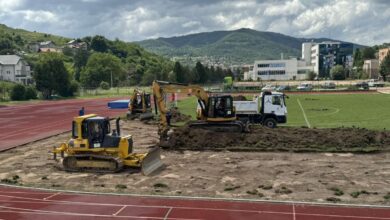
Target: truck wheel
[270, 123]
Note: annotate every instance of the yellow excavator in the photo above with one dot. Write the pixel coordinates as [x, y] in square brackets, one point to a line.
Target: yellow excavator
[140, 106]
[216, 112]
[93, 148]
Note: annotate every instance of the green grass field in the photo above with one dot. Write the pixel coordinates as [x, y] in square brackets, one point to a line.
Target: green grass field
[370, 111]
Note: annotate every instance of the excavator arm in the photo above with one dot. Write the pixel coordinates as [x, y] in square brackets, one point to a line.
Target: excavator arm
[160, 88]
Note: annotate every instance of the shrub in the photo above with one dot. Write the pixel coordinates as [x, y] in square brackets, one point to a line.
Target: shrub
[30, 93]
[104, 85]
[18, 92]
[73, 88]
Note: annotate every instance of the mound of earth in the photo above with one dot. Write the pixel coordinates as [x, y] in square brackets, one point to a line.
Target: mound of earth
[239, 98]
[177, 116]
[282, 139]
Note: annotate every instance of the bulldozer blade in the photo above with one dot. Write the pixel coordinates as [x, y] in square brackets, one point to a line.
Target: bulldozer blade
[146, 116]
[151, 162]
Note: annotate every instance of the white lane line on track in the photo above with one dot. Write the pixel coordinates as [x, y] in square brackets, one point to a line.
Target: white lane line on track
[211, 199]
[42, 212]
[294, 217]
[119, 211]
[196, 198]
[294, 213]
[51, 196]
[168, 212]
[304, 114]
[33, 211]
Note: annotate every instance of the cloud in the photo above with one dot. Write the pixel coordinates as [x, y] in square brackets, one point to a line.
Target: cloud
[6, 5]
[39, 16]
[360, 21]
[288, 8]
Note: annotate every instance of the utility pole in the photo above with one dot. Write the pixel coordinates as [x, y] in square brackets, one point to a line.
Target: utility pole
[111, 77]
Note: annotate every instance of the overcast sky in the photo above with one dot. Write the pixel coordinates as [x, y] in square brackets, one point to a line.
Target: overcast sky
[361, 21]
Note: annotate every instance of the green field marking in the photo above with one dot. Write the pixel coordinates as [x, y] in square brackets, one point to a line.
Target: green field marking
[304, 114]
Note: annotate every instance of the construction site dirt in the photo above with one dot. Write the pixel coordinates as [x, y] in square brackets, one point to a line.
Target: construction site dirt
[342, 177]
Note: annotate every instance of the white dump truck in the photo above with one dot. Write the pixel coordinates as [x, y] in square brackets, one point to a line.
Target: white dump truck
[268, 108]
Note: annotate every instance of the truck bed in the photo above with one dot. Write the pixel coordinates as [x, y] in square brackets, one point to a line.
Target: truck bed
[246, 107]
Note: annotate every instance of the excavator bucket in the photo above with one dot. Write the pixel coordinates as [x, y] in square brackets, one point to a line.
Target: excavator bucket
[146, 116]
[151, 162]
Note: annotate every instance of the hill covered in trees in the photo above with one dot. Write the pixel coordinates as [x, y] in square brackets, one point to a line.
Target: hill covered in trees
[228, 47]
[102, 63]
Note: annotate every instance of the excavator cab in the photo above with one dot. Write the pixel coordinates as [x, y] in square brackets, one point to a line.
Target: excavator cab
[140, 106]
[221, 107]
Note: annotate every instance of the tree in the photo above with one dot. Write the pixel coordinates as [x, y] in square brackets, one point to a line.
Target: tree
[179, 73]
[368, 53]
[99, 43]
[100, 67]
[337, 72]
[51, 75]
[201, 74]
[357, 59]
[384, 68]
[6, 46]
[80, 59]
[104, 85]
[18, 92]
[67, 51]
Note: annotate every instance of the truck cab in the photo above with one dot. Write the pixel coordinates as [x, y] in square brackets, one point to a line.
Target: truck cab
[268, 109]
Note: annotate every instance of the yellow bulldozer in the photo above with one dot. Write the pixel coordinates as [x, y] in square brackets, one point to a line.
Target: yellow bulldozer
[94, 148]
[139, 106]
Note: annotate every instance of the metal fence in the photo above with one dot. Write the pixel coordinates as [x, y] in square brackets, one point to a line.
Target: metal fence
[115, 91]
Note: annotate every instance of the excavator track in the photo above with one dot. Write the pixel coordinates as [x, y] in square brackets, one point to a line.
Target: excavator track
[92, 163]
[232, 126]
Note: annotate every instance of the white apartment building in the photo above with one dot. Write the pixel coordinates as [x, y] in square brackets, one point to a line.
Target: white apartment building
[13, 68]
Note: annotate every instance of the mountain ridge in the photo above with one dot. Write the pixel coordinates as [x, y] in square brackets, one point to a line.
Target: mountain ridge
[235, 47]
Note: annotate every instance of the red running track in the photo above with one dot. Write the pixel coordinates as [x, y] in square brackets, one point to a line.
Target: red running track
[19, 203]
[21, 124]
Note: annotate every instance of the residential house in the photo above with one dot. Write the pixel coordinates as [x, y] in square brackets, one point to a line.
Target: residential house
[13, 68]
[46, 44]
[74, 44]
[47, 50]
[35, 46]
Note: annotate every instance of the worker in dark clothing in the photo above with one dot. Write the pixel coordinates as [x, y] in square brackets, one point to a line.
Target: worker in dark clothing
[169, 116]
[81, 111]
[221, 108]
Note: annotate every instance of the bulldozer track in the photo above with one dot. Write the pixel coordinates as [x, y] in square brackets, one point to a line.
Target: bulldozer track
[70, 161]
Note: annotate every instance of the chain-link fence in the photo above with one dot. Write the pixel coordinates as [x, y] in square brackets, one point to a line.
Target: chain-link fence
[115, 91]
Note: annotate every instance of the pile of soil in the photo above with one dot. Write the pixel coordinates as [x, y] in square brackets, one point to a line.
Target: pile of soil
[282, 139]
[239, 98]
[177, 116]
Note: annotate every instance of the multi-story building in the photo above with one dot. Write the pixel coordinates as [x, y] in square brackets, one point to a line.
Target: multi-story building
[382, 54]
[371, 68]
[13, 68]
[317, 57]
[291, 69]
[325, 55]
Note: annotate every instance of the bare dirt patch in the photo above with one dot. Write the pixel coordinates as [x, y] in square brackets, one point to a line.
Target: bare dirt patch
[363, 178]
